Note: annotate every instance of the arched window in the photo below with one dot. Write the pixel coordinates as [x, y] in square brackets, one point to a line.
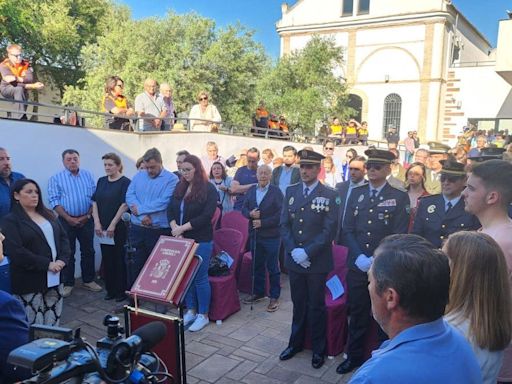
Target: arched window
[355, 102]
[392, 112]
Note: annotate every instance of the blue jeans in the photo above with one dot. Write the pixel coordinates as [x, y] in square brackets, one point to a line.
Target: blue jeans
[85, 236]
[266, 255]
[199, 294]
[143, 240]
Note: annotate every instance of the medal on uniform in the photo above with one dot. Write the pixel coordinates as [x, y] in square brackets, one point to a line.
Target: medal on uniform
[290, 202]
[356, 212]
[431, 208]
[338, 200]
[361, 198]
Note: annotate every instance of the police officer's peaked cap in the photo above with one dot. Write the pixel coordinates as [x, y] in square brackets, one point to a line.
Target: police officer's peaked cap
[491, 153]
[307, 156]
[453, 168]
[435, 147]
[379, 156]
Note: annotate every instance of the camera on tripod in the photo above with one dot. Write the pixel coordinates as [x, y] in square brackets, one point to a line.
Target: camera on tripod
[55, 355]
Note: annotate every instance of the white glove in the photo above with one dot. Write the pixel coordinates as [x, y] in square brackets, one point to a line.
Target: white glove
[364, 262]
[299, 255]
[305, 264]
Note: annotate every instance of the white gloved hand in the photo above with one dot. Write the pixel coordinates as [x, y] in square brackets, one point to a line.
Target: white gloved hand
[364, 262]
[299, 255]
[305, 264]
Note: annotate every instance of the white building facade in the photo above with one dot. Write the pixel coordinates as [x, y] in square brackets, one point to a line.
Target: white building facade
[416, 65]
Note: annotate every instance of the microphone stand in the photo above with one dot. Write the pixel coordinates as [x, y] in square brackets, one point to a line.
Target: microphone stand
[130, 253]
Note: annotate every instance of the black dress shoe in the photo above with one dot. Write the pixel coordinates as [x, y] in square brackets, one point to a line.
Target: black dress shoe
[347, 366]
[289, 352]
[317, 361]
[121, 298]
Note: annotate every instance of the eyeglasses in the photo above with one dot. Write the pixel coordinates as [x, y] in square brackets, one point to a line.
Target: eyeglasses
[329, 148]
[377, 167]
[203, 98]
[449, 179]
[120, 85]
[16, 55]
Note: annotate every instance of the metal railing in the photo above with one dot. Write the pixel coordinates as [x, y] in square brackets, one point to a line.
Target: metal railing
[99, 120]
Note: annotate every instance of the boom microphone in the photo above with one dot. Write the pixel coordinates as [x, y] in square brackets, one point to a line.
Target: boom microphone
[142, 340]
[151, 334]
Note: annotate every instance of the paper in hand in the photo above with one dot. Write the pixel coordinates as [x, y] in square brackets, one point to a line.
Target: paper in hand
[335, 286]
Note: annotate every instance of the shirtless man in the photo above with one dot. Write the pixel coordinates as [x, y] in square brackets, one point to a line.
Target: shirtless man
[488, 195]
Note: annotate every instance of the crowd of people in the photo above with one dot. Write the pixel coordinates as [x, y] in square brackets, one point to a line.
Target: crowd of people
[297, 206]
[428, 237]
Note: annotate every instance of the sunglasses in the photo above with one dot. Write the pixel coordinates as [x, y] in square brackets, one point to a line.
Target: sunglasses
[448, 178]
[377, 167]
[17, 56]
[329, 148]
[203, 98]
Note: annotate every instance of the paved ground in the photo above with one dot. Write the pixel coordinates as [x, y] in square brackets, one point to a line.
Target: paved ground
[243, 349]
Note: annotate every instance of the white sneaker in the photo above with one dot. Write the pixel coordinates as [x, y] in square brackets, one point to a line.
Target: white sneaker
[201, 322]
[66, 291]
[189, 318]
[92, 286]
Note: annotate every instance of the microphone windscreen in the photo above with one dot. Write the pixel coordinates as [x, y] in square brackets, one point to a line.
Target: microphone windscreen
[126, 217]
[151, 334]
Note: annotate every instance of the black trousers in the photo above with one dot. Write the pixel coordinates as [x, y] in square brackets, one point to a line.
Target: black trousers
[360, 307]
[308, 297]
[114, 265]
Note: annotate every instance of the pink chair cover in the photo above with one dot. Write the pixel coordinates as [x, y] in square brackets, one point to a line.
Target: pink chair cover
[225, 300]
[337, 310]
[245, 277]
[236, 220]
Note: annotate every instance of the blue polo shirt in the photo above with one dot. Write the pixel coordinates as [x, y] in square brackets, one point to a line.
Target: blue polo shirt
[5, 192]
[244, 176]
[423, 354]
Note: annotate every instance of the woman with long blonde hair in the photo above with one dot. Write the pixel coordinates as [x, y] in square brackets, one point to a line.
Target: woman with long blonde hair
[480, 297]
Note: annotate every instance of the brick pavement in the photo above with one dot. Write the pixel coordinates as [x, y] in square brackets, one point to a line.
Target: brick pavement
[243, 349]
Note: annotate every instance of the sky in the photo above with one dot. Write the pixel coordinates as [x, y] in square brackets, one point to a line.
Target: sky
[262, 15]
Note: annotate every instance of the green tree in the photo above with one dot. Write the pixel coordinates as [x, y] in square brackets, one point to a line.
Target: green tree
[184, 50]
[304, 85]
[53, 32]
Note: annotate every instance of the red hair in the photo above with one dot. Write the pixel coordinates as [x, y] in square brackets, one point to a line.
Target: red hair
[199, 183]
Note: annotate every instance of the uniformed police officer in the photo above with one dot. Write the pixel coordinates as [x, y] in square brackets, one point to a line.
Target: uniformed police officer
[374, 211]
[438, 216]
[308, 224]
[436, 153]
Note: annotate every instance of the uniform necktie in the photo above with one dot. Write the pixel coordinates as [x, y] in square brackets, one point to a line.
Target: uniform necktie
[449, 206]
[374, 193]
[306, 192]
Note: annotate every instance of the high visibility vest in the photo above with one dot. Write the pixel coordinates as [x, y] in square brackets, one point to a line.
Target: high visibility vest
[17, 70]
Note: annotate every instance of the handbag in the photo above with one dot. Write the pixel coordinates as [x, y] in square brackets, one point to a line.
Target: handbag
[219, 265]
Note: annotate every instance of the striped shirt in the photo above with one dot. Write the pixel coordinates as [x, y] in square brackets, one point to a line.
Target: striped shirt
[72, 192]
[151, 197]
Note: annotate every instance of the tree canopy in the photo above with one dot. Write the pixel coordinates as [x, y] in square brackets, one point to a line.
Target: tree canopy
[186, 51]
[304, 85]
[80, 43]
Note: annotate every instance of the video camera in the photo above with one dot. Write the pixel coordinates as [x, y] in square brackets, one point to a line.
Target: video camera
[56, 356]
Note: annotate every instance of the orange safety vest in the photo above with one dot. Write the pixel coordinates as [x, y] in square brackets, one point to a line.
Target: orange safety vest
[273, 124]
[283, 127]
[17, 70]
[261, 112]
